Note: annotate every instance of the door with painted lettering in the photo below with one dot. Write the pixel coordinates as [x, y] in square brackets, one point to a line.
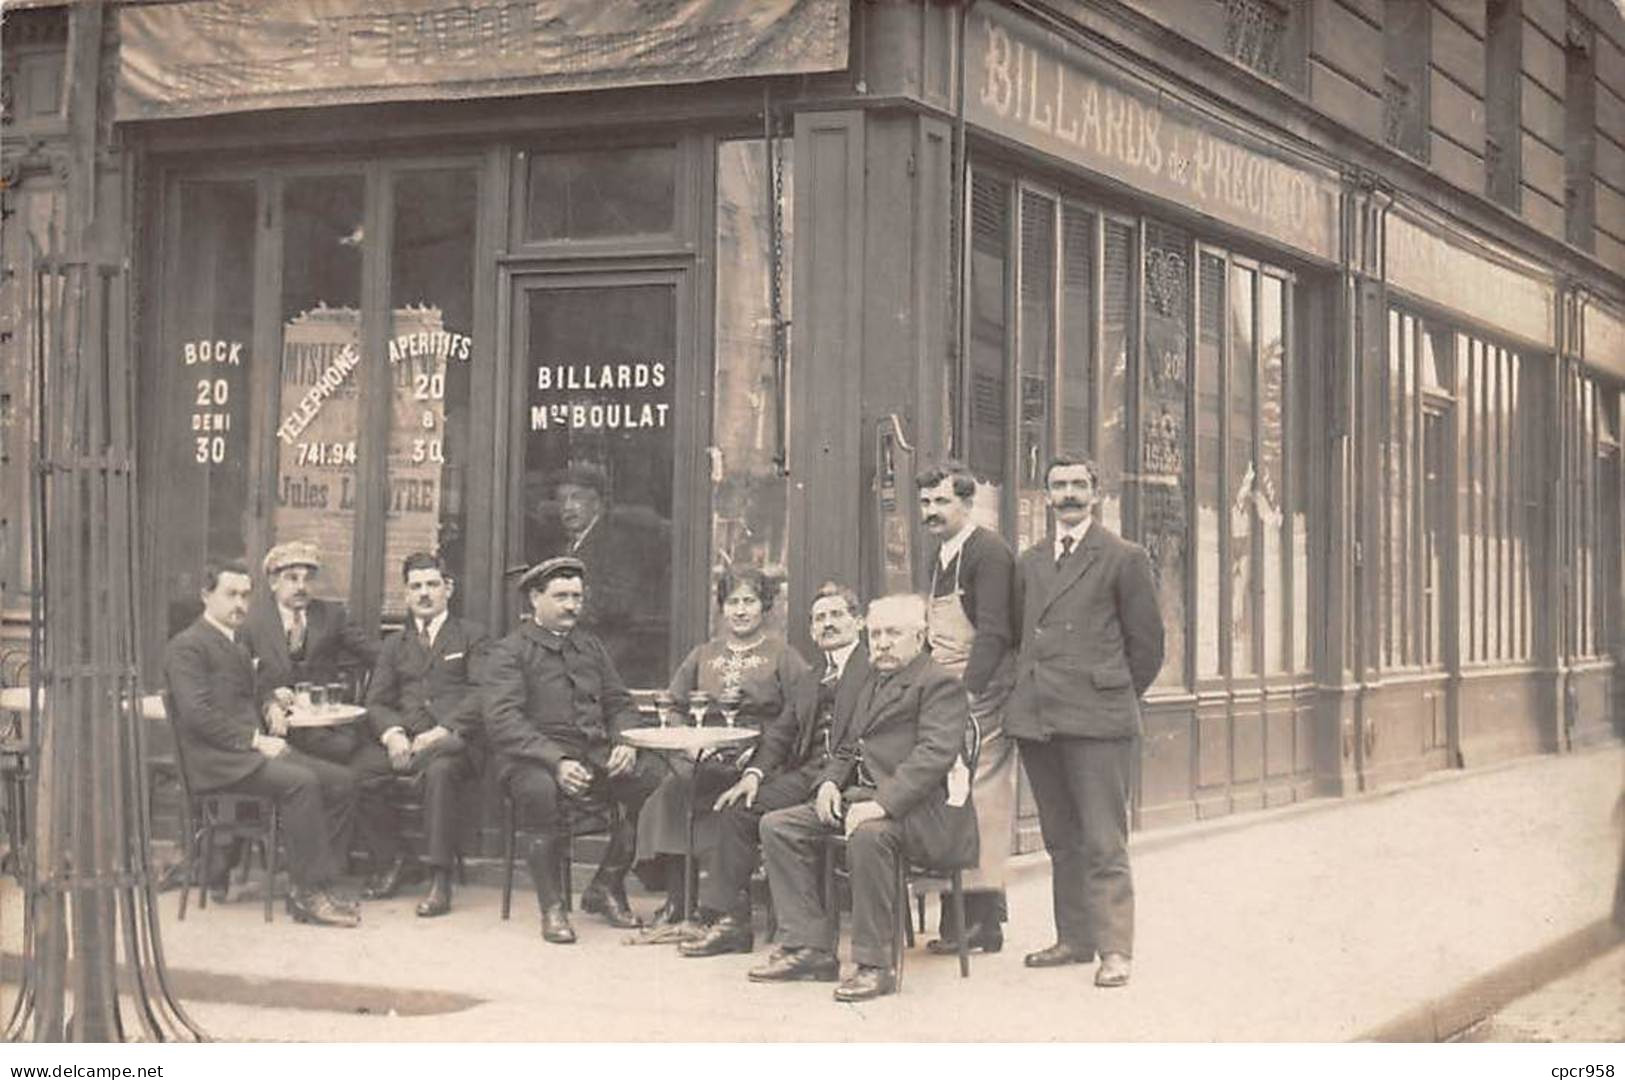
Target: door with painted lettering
[600, 418]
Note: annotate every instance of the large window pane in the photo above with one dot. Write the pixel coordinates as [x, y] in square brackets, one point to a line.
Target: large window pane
[1164, 441]
[319, 432]
[1271, 441]
[1116, 331]
[430, 361]
[600, 377]
[1077, 328]
[587, 194]
[1306, 427]
[1210, 521]
[1036, 357]
[1243, 478]
[205, 449]
[749, 494]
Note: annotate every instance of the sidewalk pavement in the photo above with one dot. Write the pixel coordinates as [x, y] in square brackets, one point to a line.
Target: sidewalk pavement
[1408, 914]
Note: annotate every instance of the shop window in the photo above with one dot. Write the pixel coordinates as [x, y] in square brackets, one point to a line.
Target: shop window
[1608, 544]
[1594, 451]
[599, 194]
[430, 364]
[1117, 339]
[1035, 359]
[749, 485]
[1164, 433]
[1210, 546]
[1244, 487]
[1077, 389]
[987, 382]
[599, 445]
[320, 418]
[207, 364]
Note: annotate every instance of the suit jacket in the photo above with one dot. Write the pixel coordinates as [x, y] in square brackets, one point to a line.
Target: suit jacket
[908, 730]
[1091, 639]
[213, 706]
[332, 643]
[787, 739]
[415, 689]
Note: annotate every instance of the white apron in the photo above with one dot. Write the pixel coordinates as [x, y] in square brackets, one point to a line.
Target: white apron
[950, 633]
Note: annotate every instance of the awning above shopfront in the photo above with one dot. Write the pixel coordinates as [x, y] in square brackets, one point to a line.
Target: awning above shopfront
[198, 57]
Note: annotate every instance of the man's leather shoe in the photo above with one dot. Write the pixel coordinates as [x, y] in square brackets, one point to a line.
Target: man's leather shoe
[988, 937]
[1057, 955]
[388, 881]
[866, 984]
[799, 965]
[610, 902]
[317, 907]
[556, 926]
[726, 935]
[438, 902]
[1113, 970]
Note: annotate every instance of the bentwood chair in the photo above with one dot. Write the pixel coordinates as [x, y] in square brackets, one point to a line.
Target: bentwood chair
[921, 879]
[576, 818]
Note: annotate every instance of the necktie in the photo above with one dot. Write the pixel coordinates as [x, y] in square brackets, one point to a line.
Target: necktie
[296, 634]
[831, 674]
[1066, 549]
[423, 637]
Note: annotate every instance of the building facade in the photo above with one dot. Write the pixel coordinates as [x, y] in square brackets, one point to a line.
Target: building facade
[1334, 291]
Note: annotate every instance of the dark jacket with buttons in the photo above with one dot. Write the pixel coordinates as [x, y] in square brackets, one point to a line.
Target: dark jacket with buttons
[1091, 639]
[548, 698]
[416, 689]
[212, 706]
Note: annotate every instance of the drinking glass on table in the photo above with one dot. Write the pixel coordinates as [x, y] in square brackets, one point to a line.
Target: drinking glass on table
[699, 703]
[730, 703]
[318, 697]
[301, 695]
[665, 706]
[337, 693]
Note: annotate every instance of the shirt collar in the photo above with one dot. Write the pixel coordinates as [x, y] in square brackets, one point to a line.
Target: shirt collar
[434, 625]
[840, 656]
[546, 637]
[231, 635]
[289, 615]
[1077, 533]
[954, 544]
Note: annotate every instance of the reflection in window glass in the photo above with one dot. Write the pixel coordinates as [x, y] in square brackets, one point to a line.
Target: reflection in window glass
[430, 360]
[1115, 339]
[1271, 439]
[319, 425]
[1209, 465]
[206, 450]
[1300, 466]
[749, 494]
[1164, 531]
[600, 381]
[989, 265]
[1036, 357]
[582, 194]
[1244, 485]
[1077, 328]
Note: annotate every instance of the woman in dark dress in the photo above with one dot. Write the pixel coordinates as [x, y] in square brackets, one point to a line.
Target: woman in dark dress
[744, 660]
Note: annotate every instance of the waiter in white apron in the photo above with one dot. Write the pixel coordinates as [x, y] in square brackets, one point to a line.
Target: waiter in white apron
[970, 633]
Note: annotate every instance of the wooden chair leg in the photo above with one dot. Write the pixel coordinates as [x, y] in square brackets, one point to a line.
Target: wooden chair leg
[194, 852]
[208, 857]
[510, 825]
[273, 847]
[959, 920]
[920, 901]
[908, 920]
[904, 928]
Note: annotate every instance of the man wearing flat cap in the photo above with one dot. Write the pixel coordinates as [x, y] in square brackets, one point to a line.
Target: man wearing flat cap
[296, 638]
[555, 707]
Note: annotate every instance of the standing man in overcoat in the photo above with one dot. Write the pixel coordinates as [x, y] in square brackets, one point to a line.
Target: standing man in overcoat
[1091, 643]
[972, 635]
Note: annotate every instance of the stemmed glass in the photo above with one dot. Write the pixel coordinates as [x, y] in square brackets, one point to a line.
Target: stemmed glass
[730, 702]
[665, 705]
[699, 702]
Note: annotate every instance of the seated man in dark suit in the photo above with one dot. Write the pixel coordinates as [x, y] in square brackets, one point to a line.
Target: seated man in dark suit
[794, 751]
[217, 730]
[886, 787]
[554, 710]
[424, 709]
[296, 638]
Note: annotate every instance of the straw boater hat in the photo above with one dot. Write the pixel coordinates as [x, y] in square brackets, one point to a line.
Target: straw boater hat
[560, 565]
[292, 553]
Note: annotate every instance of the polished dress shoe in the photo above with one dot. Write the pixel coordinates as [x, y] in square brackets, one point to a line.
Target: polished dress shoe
[727, 935]
[610, 902]
[866, 984]
[556, 926]
[1113, 970]
[1057, 955]
[798, 965]
[438, 902]
[317, 908]
[988, 937]
[387, 882]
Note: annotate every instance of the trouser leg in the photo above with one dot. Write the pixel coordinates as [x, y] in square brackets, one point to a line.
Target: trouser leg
[631, 790]
[441, 777]
[377, 819]
[730, 861]
[1062, 829]
[1100, 772]
[535, 793]
[338, 789]
[793, 845]
[871, 855]
[298, 794]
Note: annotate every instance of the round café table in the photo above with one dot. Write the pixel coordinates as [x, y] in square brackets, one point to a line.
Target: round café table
[689, 741]
[335, 715]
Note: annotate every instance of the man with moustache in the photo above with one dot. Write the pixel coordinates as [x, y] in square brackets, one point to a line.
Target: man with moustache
[885, 786]
[299, 638]
[554, 710]
[1091, 643]
[424, 710]
[790, 760]
[210, 677]
[972, 635]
